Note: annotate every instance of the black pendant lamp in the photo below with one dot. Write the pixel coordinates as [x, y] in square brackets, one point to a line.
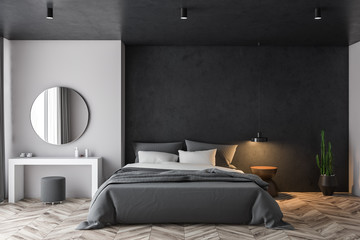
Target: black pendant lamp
[259, 137]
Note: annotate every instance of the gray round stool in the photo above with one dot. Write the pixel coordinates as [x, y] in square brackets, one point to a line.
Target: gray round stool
[52, 189]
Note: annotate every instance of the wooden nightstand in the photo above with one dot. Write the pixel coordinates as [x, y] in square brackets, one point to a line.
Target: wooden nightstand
[267, 173]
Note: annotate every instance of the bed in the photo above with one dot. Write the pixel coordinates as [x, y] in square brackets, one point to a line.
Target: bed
[174, 192]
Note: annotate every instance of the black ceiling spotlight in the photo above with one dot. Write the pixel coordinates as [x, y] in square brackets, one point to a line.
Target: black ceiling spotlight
[183, 13]
[50, 13]
[317, 14]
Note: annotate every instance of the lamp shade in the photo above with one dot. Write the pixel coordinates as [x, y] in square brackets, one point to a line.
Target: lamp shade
[259, 138]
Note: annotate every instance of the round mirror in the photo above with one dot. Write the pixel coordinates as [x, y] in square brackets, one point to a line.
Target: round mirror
[59, 115]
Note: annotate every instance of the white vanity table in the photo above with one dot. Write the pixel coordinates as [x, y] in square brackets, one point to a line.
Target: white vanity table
[16, 172]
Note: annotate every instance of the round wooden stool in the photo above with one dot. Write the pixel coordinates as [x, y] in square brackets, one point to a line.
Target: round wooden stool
[267, 173]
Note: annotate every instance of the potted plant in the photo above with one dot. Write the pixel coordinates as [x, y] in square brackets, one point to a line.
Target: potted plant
[327, 180]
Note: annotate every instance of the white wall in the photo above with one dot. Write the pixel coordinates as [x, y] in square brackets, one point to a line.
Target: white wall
[93, 68]
[354, 119]
[7, 109]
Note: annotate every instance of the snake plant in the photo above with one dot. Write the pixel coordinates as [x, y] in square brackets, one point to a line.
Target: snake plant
[324, 162]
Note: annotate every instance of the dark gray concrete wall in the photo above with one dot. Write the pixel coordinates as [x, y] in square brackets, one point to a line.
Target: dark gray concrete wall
[210, 94]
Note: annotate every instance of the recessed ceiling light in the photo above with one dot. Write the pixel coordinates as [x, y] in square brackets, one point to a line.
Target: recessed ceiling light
[317, 14]
[183, 13]
[50, 13]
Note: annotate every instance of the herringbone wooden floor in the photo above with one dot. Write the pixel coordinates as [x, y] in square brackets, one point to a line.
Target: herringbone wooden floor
[313, 215]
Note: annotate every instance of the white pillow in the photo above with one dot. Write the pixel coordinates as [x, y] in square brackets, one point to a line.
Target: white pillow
[156, 157]
[198, 157]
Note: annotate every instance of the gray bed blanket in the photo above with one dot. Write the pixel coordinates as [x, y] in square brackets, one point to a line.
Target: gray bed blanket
[142, 195]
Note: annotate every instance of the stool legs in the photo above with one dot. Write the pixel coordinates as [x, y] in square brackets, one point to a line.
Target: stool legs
[273, 188]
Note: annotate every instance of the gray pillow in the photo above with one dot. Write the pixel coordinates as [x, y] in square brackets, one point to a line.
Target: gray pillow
[224, 153]
[172, 147]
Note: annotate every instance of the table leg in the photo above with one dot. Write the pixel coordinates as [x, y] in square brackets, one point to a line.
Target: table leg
[16, 183]
[96, 176]
[94, 179]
